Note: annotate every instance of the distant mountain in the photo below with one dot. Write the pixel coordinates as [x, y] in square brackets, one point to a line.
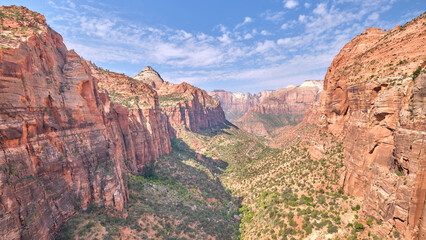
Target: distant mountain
[235, 105]
[285, 106]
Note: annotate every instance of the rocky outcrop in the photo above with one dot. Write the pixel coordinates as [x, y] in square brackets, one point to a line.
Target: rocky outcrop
[184, 105]
[285, 106]
[374, 97]
[150, 77]
[64, 143]
[235, 105]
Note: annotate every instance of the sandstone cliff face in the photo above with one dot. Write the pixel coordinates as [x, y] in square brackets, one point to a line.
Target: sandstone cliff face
[64, 144]
[183, 104]
[235, 105]
[375, 99]
[285, 106]
[146, 129]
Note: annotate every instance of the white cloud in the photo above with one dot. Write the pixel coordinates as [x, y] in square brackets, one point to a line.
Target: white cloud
[321, 9]
[307, 5]
[246, 20]
[265, 46]
[283, 41]
[265, 33]
[205, 57]
[290, 4]
[273, 16]
[248, 36]
[374, 16]
[284, 26]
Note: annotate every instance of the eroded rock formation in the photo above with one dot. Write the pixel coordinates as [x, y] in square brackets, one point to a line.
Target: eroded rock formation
[70, 131]
[374, 97]
[235, 105]
[184, 105]
[285, 106]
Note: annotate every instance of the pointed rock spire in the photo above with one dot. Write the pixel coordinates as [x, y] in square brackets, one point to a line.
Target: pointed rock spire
[149, 76]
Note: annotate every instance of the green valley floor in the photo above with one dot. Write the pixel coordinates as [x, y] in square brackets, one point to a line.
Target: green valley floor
[225, 183]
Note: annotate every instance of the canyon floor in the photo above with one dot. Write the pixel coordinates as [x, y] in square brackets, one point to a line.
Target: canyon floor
[225, 183]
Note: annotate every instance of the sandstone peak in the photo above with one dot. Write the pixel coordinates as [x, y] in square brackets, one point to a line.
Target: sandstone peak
[148, 68]
[313, 83]
[373, 30]
[151, 77]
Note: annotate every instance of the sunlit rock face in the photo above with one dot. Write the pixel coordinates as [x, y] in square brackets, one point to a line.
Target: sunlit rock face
[235, 105]
[374, 97]
[70, 131]
[285, 106]
[184, 105]
[64, 143]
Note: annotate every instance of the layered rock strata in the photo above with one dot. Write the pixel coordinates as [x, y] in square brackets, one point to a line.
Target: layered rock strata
[374, 97]
[64, 143]
[285, 106]
[183, 104]
[235, 105]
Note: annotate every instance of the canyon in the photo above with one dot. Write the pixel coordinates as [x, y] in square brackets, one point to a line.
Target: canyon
[284, 106]
[264, 112]
[235, 105]
[374, 98]
[89, 153]
[70, 131]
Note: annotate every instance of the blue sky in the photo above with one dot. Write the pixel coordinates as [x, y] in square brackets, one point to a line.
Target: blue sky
[236, 45]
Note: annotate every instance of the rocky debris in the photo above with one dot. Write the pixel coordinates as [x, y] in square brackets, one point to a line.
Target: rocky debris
[235, 105]
[374, 99]
[285, 106]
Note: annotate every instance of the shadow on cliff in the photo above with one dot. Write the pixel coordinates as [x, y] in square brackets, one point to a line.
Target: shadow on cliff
[218, 129]
[200, 175]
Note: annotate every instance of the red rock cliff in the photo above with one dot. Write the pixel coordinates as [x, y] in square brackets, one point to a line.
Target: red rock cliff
[235, 105]
[374, 97]
[184, 105]
[285, 106]
[64, 144]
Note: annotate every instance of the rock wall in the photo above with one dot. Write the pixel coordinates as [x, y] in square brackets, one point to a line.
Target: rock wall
[64, 144]
[183, 104]
[374, 97]
[235, 105]
[285, 106]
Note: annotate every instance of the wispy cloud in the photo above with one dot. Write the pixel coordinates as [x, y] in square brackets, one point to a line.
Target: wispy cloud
[246, 20]
[273, 16]
[288, 50]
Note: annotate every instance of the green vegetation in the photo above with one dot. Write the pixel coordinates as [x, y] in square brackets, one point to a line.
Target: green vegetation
[416, 73]
[271, 122]
[170, 99]
[224, 183]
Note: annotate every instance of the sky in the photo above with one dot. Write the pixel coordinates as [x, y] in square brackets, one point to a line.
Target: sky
[235, 45]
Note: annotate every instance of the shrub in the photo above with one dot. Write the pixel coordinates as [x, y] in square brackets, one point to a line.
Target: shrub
[370, 221]
[358, 227]
[399, 173]
[396, 234]
[416, 73]
[332, 229]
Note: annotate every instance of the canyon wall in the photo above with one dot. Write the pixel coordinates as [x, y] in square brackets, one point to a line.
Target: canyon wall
[285, 106]
[183, 104]
[70, 131]
[374, 97]
[235, 105]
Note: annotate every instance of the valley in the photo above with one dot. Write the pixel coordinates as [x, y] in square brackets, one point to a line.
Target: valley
[87, 153]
